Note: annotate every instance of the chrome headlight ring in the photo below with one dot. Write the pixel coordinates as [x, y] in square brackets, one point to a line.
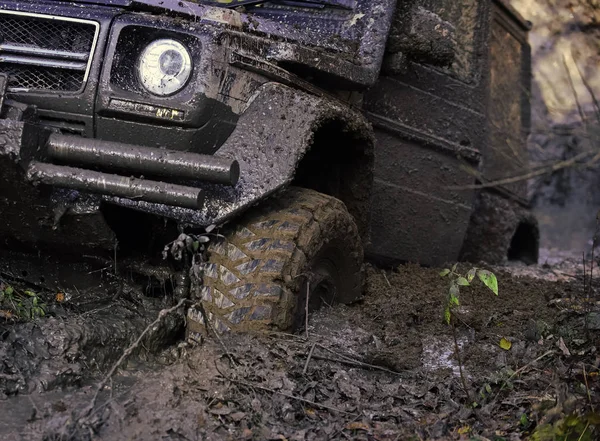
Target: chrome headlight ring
[164, 67]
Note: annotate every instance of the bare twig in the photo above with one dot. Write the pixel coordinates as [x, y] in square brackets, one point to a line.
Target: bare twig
[587, 389]
[338, 432]
[280, 334]
[292, 397]
[36, 411]
[116, 246]
[162, 314]
[460, 365]
[572, 85]
[526, 176]
[518, 371]
[594, 245]
[584, 430]
[589, 89]
[94, 311]
[306, 307]
[356, 363]
[588, 289]
[219, 339]
[584, 277]
[344, 359]
[386, 279]
[308, 359]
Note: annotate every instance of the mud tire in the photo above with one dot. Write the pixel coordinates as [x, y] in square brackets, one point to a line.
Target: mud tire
[258, 276]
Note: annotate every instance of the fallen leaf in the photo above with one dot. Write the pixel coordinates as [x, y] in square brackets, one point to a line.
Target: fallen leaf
[6, 314]
[358, 426]
[238, 416]
[310, 413]
[219, 409]
[464, 430]
[563, 347]
[505, 343]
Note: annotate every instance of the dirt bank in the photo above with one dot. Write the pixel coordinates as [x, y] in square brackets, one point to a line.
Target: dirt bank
[383, 369]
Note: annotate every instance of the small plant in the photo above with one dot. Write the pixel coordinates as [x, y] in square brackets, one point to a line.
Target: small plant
[572, 427]
[24, 305]
[457, 280]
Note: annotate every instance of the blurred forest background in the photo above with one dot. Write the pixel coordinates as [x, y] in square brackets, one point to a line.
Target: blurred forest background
[565, 43]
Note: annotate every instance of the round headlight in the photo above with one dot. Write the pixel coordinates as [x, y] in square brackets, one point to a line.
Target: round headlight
[165, 67]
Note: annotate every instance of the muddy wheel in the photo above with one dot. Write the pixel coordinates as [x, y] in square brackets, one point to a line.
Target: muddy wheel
[258, 277]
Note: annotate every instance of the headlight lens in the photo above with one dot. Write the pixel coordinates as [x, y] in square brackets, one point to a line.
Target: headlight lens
[164, 67]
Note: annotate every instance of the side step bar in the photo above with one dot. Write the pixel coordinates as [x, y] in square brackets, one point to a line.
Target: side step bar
[143, 160]
[114, 185]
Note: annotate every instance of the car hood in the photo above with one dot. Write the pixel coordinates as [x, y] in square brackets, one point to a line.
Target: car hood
[176, 4]
[118, 3]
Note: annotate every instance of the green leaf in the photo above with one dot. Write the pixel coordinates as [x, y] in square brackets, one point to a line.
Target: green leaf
[29, 293]
[524, 420]
[195, 246]
[447, 315]
[445, 272]
[9, 291]
[453, 300]
[505, 343]
[489, 279]
[454, 267]
[471, 274]
[462, 281]
[488, 388]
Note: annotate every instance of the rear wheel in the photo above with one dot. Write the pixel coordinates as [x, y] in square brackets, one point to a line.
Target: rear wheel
[258, 277]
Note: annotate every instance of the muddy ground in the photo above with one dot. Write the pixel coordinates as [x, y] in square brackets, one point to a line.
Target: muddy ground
[383, 369]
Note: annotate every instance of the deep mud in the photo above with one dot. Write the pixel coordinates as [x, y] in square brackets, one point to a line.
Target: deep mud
[383, 369]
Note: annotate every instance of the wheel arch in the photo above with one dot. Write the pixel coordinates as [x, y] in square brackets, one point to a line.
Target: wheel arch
[339, 162]
[279, 133]
[500, 230]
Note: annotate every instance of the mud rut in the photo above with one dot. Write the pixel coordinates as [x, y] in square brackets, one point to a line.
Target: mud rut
[382, 369]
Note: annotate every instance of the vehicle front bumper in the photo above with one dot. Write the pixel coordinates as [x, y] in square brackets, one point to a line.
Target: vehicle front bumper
[270, 139]
[49, 178]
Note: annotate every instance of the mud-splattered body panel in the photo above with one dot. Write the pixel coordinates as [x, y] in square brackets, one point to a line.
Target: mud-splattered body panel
[430, 120]
[510, 86]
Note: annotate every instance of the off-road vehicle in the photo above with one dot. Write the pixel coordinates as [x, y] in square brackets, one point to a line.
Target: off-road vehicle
[306, 130]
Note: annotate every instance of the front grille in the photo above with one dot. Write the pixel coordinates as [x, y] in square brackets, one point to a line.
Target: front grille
[42, 78]
[40, 52]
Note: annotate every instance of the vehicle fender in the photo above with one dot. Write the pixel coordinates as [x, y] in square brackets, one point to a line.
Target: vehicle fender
[270, 139]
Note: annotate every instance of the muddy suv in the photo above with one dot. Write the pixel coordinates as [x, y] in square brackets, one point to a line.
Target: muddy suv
[310, 129]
